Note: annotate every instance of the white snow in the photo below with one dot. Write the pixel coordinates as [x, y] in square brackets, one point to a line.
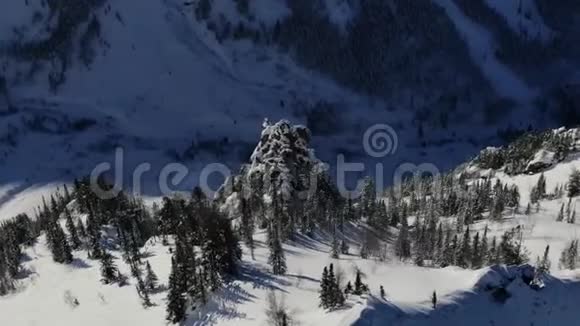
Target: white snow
[462, 295]
[542, 158]
[23, 198]
[243, 302]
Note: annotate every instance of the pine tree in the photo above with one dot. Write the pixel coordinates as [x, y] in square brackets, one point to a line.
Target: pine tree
[368, 199]
[560, 217]
[574, 184]
[359, 286]
[477, 256]
[403, 244]
[541, 186]
[199, 291]
[175, 298]
[247, 225]
[569, 257]
[75, 242]
[434, 300]
[484, 247]
[510, 248]
[344, 247]
[348, 289]
[528, 209]
[81, 230]
[151, 280]
[544, 264]
[61, 251]
[109, 271]
[439, 245]
[94, 234]
[143, 293]
[277, 259]
[572, 219]
[464, 255]
[331, 284]
[335, 249]
[493, 254]
[450, 252]
[324, 289]
[335, 296]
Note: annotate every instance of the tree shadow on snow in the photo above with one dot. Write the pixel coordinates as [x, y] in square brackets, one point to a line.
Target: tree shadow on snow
[222, 305]
[80, 263]
[260, 279]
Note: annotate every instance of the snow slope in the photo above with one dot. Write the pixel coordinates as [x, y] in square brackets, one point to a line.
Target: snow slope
[463, 297]
[482, 49]
[164, 89]
[243, 301]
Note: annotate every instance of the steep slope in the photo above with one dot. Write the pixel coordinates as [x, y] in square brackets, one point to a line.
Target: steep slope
[188, 83]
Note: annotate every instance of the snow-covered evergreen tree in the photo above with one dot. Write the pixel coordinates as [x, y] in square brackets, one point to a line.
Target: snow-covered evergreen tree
[109, 271]
[574, 184]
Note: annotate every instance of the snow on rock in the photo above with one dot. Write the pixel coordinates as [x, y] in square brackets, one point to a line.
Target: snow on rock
[283, 152]
[542, 160]
[501, 275]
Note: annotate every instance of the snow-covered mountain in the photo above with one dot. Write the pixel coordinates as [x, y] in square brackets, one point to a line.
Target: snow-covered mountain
[190, 81]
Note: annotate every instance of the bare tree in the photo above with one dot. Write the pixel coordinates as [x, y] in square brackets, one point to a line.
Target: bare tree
[277, 311]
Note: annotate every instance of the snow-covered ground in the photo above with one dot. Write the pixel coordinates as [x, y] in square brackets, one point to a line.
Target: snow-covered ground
[408, 287]
[46, 289]
[186, 87]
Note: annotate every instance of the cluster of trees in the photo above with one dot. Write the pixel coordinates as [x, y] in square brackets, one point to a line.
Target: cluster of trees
[205, 247]
[474, 251]
[270, 195]
[14, 233]
[574, 184]
[331, 295]
[432, 241]
[56, 49]
[568, 213]
[569, 258]
[206, 251]
[359, 54]
[515, 157]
